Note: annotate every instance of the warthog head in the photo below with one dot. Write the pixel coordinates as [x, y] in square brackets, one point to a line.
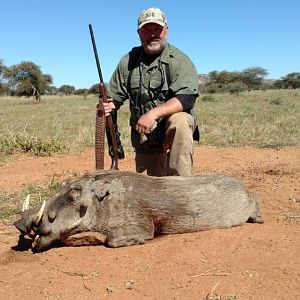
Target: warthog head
[71, 210]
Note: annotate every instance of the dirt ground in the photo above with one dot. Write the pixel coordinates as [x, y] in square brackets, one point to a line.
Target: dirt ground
[252, 261]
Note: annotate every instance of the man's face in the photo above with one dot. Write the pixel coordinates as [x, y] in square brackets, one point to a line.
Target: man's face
[153, 38]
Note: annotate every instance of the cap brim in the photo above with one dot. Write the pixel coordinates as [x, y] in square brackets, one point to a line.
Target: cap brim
[162, 24]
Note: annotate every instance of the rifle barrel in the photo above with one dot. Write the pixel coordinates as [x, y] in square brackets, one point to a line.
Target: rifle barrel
[103, 122]
[96, 53]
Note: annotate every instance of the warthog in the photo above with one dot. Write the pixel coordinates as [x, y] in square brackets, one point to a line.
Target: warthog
[128, 208]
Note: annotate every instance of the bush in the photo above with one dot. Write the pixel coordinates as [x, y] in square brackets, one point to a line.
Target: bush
[208, 98]
[24, 141]
[235, 87]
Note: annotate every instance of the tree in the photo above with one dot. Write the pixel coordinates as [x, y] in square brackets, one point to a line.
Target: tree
[253, 77]
[226, 77]
[224, 81]
[67, 89]
[213, 77]
[2, 69]
[26, 79]
[94, 89]
[235, 87]
[81, 91]
[291, 80]
[3, 85]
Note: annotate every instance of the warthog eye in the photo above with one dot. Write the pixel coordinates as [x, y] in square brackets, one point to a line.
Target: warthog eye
[51, 216]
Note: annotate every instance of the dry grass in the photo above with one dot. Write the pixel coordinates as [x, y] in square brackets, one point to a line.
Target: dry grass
[259, 119]
[67, 124]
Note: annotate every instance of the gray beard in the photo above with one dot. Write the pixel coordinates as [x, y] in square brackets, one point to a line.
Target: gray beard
[155, 49]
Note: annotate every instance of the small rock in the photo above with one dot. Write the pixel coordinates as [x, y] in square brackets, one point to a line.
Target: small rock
[110, 288]
[129, 284]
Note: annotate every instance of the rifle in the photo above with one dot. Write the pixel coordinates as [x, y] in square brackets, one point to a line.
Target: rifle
[108, 124]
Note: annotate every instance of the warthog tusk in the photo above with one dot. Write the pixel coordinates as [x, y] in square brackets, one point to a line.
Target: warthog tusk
[26, 203]
[39, 215]
[35, 241]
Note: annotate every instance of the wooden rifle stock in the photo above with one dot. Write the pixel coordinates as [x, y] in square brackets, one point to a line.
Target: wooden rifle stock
[110, 130]
[102, 123]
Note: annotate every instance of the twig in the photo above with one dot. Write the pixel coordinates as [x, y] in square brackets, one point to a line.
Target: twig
[212, 291]
[85, 285]
[209, 273]
[73, 273]
[83, 277]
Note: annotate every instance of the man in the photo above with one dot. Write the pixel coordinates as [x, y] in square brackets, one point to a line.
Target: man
[161, 84]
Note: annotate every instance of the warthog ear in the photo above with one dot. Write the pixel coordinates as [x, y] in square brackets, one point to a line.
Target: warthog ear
[83, 194]
[101, 198]
[101, 190]
[20, 225]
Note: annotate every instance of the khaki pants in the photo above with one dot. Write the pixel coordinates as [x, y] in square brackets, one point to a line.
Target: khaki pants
[177, 159]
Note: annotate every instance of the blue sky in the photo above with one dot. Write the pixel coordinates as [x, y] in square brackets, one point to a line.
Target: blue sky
[218, 35]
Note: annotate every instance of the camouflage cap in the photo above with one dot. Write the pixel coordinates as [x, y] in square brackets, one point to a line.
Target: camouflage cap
[152, 15]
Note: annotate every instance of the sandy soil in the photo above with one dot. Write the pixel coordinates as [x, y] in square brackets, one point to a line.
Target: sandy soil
[252, 261]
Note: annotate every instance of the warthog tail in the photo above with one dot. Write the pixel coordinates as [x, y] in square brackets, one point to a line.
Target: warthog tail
[255, 217]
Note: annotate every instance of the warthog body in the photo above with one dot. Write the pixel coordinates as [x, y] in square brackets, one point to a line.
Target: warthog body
[128, 208]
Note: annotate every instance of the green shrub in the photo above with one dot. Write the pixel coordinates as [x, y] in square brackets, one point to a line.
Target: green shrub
[235, 87]
[208, 98]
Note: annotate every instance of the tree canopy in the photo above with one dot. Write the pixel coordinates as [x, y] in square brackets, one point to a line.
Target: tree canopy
[291, 80]
[67, 89]
[27, 79]
[253, 77]
[225, 81]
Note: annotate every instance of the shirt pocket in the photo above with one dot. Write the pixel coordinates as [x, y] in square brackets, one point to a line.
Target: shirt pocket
[159, 89]
[134, 86]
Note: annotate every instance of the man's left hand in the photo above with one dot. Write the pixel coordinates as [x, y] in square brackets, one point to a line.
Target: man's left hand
[146, 122]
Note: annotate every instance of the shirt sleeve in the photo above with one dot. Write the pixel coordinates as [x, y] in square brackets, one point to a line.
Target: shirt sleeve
[185, 78]
[187, 101]
[117, 87]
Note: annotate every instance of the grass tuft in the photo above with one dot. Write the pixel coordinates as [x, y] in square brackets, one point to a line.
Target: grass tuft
[11, 204]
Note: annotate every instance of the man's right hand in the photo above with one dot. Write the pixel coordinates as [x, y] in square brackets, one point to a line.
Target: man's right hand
[108, 107]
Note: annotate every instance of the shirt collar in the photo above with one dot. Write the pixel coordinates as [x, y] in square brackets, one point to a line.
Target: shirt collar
[164, 57]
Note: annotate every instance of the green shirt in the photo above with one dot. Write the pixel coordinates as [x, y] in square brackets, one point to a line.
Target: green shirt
[183, 75]
[150, 83]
